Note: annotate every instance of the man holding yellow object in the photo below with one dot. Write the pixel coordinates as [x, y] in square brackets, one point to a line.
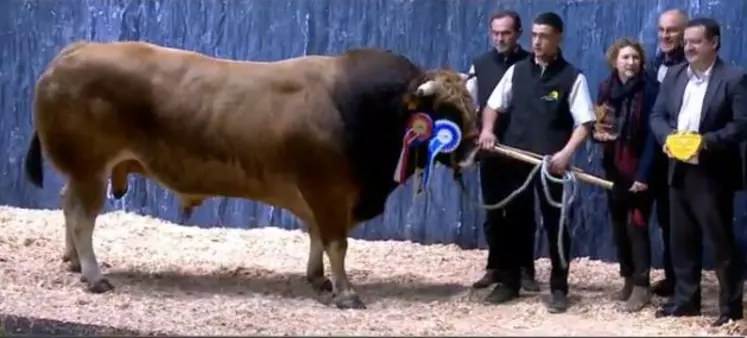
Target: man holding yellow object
[700, 116]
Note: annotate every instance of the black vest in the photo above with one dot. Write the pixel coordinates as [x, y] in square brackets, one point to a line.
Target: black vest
[541, 120]
[489, 69]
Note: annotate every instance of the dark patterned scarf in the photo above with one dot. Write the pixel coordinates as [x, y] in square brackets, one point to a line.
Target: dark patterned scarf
[627, 101]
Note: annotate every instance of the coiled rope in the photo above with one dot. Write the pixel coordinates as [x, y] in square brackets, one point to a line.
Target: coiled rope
[570, 185]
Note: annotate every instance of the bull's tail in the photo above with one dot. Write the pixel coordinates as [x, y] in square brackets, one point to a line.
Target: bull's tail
[33, 164]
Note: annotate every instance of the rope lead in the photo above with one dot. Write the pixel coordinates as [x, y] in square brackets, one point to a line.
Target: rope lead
[569, 182]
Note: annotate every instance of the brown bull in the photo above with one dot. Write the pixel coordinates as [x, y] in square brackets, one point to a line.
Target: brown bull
[120, 185]
[317, 135]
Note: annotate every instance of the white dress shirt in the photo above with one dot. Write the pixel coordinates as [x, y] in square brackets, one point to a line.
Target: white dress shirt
[472, 84]
[579, 100]
[691, 110]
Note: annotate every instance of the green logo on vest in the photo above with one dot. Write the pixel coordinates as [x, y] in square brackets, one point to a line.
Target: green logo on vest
[552, 96]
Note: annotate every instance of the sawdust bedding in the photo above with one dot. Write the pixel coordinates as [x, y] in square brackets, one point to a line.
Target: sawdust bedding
[185, 280]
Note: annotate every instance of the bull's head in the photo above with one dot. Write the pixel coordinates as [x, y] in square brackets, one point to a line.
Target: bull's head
[443, 94]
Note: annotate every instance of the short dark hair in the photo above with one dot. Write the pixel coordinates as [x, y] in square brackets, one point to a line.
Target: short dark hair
[510, 14]
[711, 27]
[550, 19]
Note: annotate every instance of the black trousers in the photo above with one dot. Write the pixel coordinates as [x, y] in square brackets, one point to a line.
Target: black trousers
[630, 213]
[511, 236]
[493, 186]
[701, 204]
[660, 191]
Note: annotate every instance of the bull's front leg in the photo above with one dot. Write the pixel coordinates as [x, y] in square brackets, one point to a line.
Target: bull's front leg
[344, 295]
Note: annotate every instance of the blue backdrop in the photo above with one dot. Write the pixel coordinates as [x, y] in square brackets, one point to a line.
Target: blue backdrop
[432, 33]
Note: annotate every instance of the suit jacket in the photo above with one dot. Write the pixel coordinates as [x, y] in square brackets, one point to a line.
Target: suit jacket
[723, 121]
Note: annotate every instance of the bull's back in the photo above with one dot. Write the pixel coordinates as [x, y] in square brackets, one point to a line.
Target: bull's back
[198, 125]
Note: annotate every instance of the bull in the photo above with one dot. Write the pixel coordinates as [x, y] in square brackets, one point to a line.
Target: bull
[317, 135]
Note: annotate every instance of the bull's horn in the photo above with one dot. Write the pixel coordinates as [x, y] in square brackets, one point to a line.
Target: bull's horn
[426, 89]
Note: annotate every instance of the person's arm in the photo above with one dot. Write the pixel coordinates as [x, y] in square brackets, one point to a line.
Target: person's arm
[659, 116]
[582, 110]
[498, 101]
[650, 146]
[472, 84]
[735, 131]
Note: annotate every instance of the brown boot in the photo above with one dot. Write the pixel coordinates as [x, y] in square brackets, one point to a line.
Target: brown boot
[639, 298]
[487, 279]
[624, 293]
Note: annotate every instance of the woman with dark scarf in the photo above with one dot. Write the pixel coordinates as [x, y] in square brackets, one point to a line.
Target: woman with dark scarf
[623, 104]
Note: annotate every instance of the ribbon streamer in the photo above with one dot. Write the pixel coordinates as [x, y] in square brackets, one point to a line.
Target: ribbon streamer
[446, 139]
[420, 128]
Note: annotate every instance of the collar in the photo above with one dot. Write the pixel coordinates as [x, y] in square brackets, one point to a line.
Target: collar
[672, 57]
[558, 56]
[509, 55]
[693, 75]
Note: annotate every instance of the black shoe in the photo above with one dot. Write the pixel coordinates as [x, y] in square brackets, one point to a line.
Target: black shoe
[668, 310]
[723, 319]
[663, 288]
[502, 294]
[624, 293]
[487, 279]
[528, 283]
[558, 302]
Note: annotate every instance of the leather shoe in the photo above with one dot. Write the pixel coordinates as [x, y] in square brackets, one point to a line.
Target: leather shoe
[723, 319]
[663, 288]
[502, 294]
[669, 310]
[488, 279]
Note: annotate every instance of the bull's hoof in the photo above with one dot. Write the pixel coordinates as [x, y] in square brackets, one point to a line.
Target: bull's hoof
[74, 267]
[323, 286]
[118, 194]
[101, 286]
[349, 301]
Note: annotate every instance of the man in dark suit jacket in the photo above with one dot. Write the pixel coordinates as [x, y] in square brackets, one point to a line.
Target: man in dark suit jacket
[707, 96]
[670, 53]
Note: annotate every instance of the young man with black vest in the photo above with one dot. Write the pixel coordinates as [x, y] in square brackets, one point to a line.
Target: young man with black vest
[707, 96]
[671, 53]
[551, 114]
[505, 30]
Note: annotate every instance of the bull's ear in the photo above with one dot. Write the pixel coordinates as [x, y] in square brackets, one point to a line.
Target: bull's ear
[427, 88]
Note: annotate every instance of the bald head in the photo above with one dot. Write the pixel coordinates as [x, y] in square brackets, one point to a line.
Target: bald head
[671, 28]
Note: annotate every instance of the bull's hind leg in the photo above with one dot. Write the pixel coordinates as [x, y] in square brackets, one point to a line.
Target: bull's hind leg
[83, 201]
[315, 265]
[70, 255]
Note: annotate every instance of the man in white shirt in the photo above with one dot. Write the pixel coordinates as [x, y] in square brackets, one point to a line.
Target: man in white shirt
[709, 97]
[551, 113]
